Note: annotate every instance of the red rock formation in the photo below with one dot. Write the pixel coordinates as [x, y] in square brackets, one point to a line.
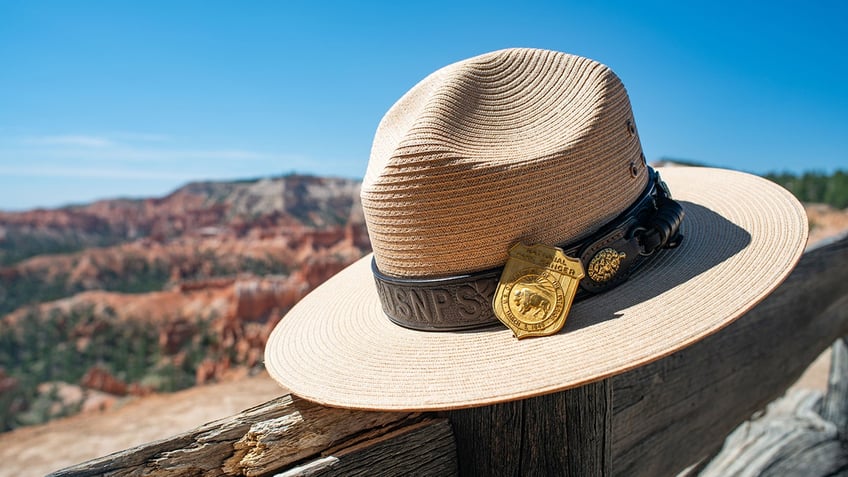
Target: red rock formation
[212, 264]
[99, 379]
[255, 298]
[174, 334]
[7, 383]
[211, 370]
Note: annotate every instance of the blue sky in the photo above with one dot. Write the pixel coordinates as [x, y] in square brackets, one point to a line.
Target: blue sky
[106, 99]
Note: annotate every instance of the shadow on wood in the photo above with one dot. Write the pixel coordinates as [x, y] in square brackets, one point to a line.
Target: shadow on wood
[685, 404]
[555, 434]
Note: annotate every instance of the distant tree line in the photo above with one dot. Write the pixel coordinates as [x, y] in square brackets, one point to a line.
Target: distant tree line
[811, 186]
[135, 274]
[815, 186]
[18, 244]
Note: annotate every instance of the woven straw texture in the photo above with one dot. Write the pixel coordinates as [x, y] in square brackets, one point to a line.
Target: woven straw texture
[743, 235]
[516, 145]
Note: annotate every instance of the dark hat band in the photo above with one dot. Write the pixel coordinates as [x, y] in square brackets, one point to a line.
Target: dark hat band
[609, 256]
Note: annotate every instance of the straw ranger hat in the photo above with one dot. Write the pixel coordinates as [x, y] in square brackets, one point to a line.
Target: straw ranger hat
[507, 197]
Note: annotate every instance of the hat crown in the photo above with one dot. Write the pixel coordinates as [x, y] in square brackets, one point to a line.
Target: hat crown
[517, 145]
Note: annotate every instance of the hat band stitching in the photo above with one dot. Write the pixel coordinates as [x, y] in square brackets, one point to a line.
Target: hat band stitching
[464, 302]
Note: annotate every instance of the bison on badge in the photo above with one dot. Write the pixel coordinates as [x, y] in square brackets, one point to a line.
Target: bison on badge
[526, 300]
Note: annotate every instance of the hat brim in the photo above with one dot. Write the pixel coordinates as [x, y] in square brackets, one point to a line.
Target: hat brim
[743, 235]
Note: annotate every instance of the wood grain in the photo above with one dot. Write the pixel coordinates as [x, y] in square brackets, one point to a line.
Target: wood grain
[423, 448]
[272, 435]
[567, 433]
[677, 411]
[790, 439]
[835, 405]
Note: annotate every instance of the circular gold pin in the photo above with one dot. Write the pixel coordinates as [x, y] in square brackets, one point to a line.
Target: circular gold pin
[604, 265]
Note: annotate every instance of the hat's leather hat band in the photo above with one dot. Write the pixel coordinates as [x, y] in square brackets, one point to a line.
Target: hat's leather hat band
[465, 301]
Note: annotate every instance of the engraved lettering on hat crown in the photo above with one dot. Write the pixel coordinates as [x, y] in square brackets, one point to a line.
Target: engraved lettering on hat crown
[518, 145]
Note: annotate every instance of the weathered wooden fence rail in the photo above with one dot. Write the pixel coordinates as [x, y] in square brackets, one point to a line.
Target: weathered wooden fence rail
[655, 420]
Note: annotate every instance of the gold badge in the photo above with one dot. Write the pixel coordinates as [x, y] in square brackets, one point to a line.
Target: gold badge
[536, 289]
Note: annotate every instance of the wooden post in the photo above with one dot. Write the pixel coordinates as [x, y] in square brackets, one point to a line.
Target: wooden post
[566, 433]
[835, 404]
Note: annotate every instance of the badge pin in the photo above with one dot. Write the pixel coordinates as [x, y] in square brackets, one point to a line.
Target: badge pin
[604, 265]
[536, 289]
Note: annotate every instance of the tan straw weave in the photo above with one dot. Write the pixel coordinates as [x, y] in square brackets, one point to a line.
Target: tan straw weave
[516, 145]
[533, 146]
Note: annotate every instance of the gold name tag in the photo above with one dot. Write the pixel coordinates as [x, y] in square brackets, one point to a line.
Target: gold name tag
[536, 290]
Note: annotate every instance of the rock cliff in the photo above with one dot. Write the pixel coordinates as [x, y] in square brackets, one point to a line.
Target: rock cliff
[128, 297]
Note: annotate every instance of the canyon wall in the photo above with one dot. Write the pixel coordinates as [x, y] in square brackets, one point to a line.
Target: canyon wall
[130, 297]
